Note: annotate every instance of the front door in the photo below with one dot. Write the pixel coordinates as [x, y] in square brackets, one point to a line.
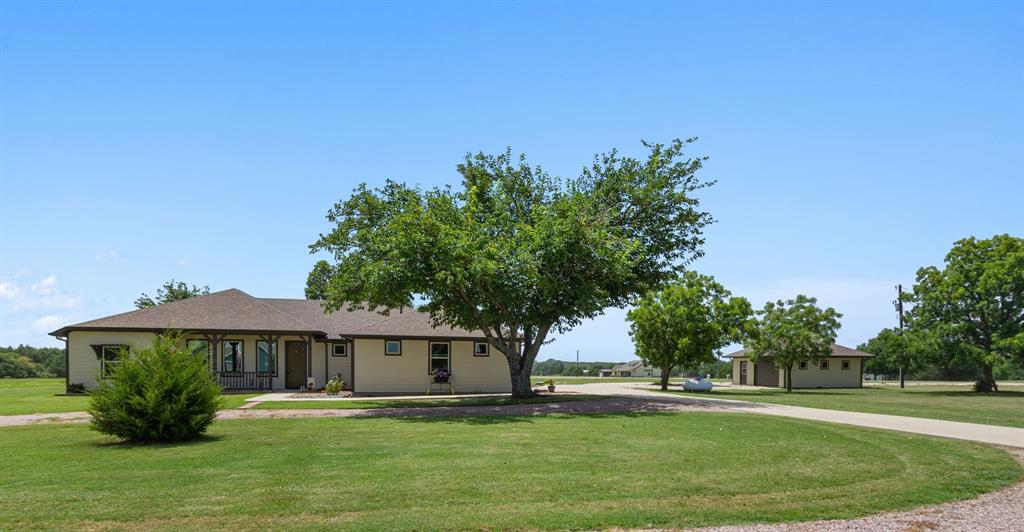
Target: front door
[294, 364]
[743, 372]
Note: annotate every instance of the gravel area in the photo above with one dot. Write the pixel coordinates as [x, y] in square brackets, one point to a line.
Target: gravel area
[33, 419]
[999, 511]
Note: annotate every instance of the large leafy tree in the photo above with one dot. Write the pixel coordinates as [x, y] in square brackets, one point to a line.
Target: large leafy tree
[793, 331]
[975, 304]
[516, 253]
[171, 291]
[316, 282]
[686, 323]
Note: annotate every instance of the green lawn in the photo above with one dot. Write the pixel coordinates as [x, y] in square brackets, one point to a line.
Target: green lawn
[421, 403]
[954, 403]
[40, 396]
[551, 472]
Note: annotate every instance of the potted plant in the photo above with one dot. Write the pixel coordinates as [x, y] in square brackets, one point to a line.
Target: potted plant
[441, 375]
[551, 384]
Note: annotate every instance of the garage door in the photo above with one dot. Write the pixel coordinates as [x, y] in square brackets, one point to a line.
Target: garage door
[766, 375]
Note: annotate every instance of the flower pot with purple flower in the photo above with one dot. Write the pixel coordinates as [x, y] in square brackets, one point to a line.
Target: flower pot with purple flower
[441, 375]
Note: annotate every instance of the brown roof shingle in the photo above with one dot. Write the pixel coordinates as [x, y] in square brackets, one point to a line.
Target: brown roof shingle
[234, 310]
[837, 351]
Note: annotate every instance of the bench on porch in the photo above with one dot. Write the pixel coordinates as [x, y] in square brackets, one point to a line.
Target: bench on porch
[246, 380]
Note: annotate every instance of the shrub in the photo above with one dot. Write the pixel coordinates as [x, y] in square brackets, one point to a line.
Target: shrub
[161, 393]
[334, 386]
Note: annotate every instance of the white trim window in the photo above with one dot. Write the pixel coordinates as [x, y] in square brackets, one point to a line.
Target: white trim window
[440, 357]
[481, 349]
[339, 350]
[266, 356]
[845, 365]
[110, 358]
[393, 348]
[823, 365]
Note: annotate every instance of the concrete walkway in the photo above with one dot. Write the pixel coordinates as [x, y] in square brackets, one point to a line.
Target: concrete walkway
[1006, 436]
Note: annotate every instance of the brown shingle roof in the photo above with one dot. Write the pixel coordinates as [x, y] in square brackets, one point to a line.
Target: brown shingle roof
[838, 351]
[235, 311]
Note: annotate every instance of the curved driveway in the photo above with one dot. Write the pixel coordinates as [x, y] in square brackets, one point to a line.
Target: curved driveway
[1008, 436]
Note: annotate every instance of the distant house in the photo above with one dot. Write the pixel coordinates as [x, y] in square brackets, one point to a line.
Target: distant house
[604, 373]
[843, 369]
[256, 343]
[635, 369]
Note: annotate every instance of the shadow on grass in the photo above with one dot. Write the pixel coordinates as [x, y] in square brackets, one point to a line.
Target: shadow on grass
[123, 444]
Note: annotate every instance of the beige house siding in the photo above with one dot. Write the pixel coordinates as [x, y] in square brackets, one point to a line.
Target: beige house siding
[339, 364]
[833, 377]
[408, 373]
[84, 366]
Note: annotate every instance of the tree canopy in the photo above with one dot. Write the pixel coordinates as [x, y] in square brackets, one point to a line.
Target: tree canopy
[171, 291]
[974, 306]
[516, 253]
[686, 323]
[316, 282]
[793, 331]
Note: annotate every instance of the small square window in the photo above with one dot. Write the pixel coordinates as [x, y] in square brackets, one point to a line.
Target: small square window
[481, 349]
[340, 350]
[845, 364]
[392, 348]
[803, 365]
[824, 364]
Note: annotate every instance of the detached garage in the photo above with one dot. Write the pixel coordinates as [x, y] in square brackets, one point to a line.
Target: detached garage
[843, 369]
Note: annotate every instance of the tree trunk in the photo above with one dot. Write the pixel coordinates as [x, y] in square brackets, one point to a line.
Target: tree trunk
[989, 378]
[521, 387]
[789, 377]
[903, 379]
[664, 377]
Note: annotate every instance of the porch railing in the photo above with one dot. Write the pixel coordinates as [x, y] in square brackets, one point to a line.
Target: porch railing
[246, 380]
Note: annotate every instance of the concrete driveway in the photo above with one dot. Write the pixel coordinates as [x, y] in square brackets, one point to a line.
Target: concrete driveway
[1008, 436]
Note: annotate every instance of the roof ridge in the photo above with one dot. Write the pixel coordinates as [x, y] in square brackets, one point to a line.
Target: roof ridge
[285, 314]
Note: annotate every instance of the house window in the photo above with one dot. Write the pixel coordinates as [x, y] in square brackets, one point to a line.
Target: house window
[824, 364]
[266, 356]
[392, 348]
[439, 356]
[200, 348]
[845, 364]
[803, 365]
[110, 358]
[340, 350]
[743, 368]
[231, 353]
[481, 349]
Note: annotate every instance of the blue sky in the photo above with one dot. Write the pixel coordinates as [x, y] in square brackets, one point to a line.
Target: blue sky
[852, 142]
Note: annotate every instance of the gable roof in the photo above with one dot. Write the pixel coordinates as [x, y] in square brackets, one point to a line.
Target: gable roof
[233, 310]
[839, 351]
[629, 366]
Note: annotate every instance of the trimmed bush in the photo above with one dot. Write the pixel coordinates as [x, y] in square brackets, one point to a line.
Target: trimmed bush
[161, 393]
[334, 386]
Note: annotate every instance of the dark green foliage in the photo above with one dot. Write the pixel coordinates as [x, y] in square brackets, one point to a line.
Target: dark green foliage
[161, 393]
[973, 307]
[792, 331]
[570, 369]
[516, 253]
[28, 362]
[171, 291]
[316, 282]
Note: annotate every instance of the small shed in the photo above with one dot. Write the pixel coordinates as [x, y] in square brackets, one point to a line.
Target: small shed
[844, 368]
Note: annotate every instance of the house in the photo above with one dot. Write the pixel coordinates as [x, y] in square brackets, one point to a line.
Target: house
[844, 368]
[635, 368]
[604, 373]
[261, 343]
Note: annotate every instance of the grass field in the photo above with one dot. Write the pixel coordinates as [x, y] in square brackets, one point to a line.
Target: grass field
[550, 472]
[40, 396]
[423, 403]
[954, 403]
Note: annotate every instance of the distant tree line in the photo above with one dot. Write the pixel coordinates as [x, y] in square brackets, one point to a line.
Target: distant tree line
[27, 362]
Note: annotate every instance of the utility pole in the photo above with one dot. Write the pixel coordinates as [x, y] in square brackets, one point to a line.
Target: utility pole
[898, 303]
[577, 357]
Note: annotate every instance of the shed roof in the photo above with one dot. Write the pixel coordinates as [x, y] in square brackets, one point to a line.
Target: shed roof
[838, 351]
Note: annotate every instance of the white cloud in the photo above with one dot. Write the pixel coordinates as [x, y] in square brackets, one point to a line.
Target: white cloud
[8, 290]
[48, 323]
[106, 256]
[43, 295]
